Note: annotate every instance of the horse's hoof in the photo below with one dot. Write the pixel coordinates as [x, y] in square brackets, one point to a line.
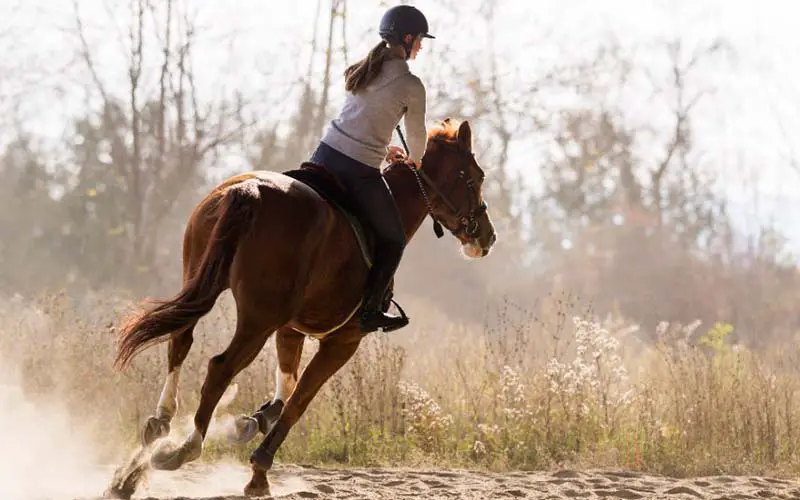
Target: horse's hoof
[258, 485]
[166, 456]
[154, 429]
[169, 456]
[116, 493]
[252, 490]
[243, 430]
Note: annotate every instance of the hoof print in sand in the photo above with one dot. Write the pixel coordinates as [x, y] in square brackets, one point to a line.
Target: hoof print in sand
[626, 494]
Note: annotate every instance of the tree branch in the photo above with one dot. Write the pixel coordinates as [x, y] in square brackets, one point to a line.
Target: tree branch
[162, 98]
[134, 75]
[326, 79]
[87, 55]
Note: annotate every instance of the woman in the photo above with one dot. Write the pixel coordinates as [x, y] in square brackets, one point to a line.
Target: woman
[381, 90]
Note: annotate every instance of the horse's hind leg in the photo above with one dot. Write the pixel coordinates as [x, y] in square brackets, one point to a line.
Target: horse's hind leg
[252, 332]
[127, 477]
[289, 346]
[157, 426]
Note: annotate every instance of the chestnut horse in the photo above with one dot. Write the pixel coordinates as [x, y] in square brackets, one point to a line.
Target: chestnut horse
[294, 267]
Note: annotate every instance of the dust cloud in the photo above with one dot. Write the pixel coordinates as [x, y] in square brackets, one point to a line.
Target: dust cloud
[43, 452]
[46, 454]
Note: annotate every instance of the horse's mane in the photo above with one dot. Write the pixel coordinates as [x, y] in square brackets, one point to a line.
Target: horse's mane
[444, 131]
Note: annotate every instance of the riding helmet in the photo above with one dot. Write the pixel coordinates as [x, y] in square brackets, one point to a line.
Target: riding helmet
[402, 20]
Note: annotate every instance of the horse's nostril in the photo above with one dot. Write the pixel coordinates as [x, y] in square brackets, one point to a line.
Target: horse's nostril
[493, 239]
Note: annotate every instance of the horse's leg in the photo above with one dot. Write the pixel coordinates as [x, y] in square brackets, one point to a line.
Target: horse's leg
[334, 351]
[157, 426]
[251, 334]
[289, 346]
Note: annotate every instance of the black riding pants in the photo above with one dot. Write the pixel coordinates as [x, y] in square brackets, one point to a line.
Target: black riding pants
[373, 197]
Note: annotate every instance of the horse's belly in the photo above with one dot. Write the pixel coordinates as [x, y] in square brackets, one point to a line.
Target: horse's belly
[321, 315]
[333, 294]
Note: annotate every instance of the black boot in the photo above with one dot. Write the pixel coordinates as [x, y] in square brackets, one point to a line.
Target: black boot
[372, 318]
[371, 315]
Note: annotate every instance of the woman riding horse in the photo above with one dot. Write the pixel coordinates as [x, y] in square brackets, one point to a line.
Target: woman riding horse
[381, 90]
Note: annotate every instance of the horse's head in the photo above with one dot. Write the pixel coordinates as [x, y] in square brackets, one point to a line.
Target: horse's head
[453, 182]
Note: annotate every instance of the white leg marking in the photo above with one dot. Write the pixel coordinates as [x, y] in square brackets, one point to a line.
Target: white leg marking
[168, 402]
[284, 384]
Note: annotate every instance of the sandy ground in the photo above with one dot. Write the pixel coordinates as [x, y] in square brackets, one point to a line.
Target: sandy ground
[224, 482]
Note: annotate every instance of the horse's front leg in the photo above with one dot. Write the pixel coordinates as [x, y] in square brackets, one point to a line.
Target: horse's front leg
[334, 351]
[289, 346]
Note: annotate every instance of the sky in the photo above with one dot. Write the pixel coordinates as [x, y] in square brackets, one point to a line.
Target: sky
[745, 126]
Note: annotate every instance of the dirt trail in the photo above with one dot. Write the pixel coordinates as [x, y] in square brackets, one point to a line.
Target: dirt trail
[225, 481]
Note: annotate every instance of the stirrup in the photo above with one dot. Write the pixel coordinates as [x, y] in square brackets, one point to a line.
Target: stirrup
[396, 322]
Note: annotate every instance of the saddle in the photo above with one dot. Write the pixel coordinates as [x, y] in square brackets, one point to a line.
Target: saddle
[328, 187]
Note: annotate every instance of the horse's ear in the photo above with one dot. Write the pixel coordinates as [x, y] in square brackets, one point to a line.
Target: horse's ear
[465, 136]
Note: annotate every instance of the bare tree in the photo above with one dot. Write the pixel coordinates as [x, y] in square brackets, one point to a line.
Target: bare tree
[311, 113]
[23, 71]
[166, 137]
[790, 154]
[679, 142]
[338, 11]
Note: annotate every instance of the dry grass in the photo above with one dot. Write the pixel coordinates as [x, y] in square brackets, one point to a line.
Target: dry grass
[529, 389]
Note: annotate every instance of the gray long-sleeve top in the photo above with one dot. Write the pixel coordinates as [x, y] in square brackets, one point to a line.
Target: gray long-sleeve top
[365, 124]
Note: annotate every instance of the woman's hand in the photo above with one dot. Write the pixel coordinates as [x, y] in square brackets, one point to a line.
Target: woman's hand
[394, 153]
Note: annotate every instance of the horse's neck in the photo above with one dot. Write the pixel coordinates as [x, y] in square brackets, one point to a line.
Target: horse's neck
[407, 196]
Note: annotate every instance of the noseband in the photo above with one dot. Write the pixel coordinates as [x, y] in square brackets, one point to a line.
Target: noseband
[467, 223]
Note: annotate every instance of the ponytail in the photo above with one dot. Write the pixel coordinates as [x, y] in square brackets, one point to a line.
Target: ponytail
[360, 74]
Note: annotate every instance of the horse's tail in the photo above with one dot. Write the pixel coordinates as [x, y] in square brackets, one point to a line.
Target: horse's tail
[237, 212]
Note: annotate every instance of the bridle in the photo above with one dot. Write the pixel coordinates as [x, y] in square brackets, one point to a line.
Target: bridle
[467, 223]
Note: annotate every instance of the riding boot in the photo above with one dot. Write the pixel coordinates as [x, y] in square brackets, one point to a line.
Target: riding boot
[371, 315]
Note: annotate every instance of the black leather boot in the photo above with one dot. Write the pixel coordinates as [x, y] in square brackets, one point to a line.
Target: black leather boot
[371, 315]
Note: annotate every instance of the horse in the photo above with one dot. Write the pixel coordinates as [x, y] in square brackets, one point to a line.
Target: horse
[296, 267]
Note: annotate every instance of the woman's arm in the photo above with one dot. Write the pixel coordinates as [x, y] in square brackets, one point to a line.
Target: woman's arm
[415, 121]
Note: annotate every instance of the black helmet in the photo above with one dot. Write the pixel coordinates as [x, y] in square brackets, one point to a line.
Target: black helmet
[403, 20]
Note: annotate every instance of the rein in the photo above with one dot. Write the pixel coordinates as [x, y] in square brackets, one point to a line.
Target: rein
[469, 223]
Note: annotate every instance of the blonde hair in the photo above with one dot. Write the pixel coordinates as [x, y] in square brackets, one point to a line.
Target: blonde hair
[360, 74]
